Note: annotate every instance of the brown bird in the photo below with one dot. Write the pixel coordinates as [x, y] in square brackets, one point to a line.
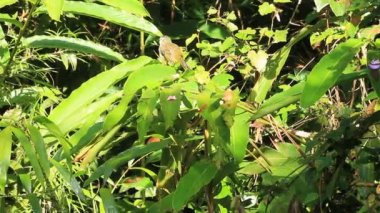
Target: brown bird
[171, 53]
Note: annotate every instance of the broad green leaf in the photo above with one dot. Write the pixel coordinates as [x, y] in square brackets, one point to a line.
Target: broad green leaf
[39, 145]
[282, 1]
[54, 8]
[76, 44]
[280, 36]
[275, 65]
[145, 107]
[4, 52]
[7, 18]
[5, 156]
[69, 178]
[170, 101]
[327, 71]
[199, 174]
[215, 31]
[122, 158]
[266, 8]
[339, 8]
[30, 153]
[94, 88]
[258, 59]
[108, 200]
[111, 14]
[321, 4]
[132, 6]
[4, 3]
[148, 76]
[239, 133]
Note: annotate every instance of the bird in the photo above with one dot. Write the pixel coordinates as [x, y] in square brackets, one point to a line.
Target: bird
[171, 53]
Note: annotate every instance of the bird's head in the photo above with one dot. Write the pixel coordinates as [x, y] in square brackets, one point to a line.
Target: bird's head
[165, 40]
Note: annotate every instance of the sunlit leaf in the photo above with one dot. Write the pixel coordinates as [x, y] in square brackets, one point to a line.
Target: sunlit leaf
[148, 76]
[5, 156]
[94, 88]
[4, 3]
[111, 14]
[76, 44]
[54, 8]
[132, 6]
[327, 71]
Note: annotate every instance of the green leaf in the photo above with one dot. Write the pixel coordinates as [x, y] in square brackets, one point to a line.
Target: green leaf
[9, 19]
[282, 1]
[68, 178]
[145, 108]
[266, 8]
[170, 101]
[239, 134]
[111, 14]
[4, 51]
[148, 76]
[94, 88]
[35, 203]
[30, 153]
[199, 174]
[339, 8]
[132, 6]
[280, 36]
[215, 31]
[4, 3]
[5, 156]
[327, 71]
[283, 162]
[54, 8]
[76, 44]
[293, 94]
[109, 203]
[321, 4]
[55, 130]
[39, 145]
[122, 158]
[275, 65]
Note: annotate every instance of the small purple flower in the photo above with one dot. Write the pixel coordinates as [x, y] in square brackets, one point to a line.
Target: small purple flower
[375, 64]
[171, 98]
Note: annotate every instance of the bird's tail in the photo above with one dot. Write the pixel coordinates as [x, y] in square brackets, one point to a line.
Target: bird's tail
[184, 65]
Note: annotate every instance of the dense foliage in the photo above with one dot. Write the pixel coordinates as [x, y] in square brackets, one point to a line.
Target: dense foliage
[274, 109]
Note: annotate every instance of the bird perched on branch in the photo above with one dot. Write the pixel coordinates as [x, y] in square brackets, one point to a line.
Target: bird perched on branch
[171, 53]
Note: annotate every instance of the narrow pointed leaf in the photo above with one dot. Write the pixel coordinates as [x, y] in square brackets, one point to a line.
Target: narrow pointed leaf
[30, 153]
[148, 76]
[94, 88]
[5, 156]
[122, 158]
[327, 71]
[132, 6]
[199, 174]
[40, 148]
[80, 45]
[111, 14]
